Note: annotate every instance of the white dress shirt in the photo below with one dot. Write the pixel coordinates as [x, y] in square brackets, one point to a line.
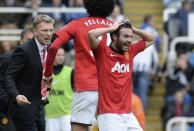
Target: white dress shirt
[40, 49]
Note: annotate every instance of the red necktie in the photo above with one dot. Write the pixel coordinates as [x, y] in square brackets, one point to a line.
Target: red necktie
[44, 91]
[44, 51]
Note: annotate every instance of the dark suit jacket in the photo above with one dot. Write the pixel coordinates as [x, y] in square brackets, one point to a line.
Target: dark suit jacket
[3, 95]
[23, 76]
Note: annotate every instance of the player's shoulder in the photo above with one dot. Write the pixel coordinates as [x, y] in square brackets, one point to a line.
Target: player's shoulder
[80, 20]
[74, 22]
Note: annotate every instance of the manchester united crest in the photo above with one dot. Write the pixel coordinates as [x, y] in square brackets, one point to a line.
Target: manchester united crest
[126, 54]
[4, 120]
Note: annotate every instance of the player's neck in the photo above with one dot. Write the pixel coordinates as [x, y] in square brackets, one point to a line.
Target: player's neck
[114, 48]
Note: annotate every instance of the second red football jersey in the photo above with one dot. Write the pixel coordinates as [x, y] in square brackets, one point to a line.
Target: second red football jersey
[114, 76]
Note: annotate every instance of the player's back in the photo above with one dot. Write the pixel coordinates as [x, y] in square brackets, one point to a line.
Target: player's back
[85, 68]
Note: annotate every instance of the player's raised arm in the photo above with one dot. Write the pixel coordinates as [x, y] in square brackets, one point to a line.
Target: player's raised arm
[94, 34]
[149, 38]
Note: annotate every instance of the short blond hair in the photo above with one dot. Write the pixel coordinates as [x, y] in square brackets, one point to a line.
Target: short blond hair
[42, 18]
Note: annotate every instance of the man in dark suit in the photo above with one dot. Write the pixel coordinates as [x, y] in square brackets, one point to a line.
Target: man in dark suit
[6, 123]
[24, 75]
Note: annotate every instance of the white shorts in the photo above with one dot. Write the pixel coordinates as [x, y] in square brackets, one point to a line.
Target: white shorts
[84, 107]
[59, 123]
[118, 122]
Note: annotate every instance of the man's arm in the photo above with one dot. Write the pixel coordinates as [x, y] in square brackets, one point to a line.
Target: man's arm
[62, 36]
[47, 77]
[14, 69]
[95, 33]
[149, 38]
[58, 42]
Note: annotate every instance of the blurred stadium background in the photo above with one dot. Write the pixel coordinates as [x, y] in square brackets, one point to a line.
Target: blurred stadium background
[170, 96]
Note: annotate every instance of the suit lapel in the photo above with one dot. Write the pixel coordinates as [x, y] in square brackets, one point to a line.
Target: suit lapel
[37, 55]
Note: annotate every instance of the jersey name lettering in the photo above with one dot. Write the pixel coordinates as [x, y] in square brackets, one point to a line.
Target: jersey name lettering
[97, 21]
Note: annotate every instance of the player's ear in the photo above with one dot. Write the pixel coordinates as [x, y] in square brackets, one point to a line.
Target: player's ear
[114, 37]
[34, 30]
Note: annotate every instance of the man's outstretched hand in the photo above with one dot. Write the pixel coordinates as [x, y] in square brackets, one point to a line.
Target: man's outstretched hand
[22, 100]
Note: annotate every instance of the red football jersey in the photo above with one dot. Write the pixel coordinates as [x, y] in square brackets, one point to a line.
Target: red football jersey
[85, 78]
[114, 72]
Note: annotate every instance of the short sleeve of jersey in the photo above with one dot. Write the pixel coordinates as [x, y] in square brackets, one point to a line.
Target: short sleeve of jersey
[67, 32]
[101, 45]
[138, 47]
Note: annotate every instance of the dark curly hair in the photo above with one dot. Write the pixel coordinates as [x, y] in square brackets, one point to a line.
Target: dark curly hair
[101, 8]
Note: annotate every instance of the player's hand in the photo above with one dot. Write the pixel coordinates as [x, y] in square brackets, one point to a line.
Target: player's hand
[47, 81]
[22, 100]
[116, 25]
[135, 30]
